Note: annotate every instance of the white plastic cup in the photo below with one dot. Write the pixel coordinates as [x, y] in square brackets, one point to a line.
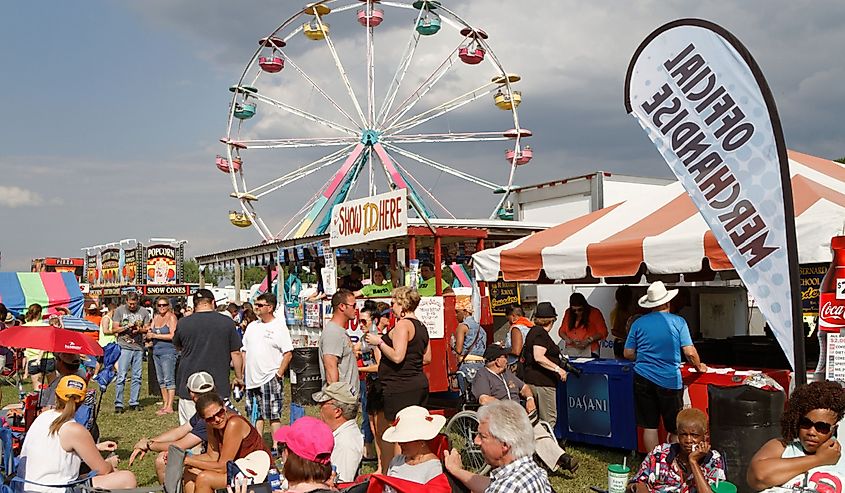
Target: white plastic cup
[617, 478]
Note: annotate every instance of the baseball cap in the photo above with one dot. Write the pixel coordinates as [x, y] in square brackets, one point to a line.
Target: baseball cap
[308, 438]
[92, 306]
[71, 387]
[203, 294]
[337, 391]
[493, 352]
[200, 382]
[104, 309]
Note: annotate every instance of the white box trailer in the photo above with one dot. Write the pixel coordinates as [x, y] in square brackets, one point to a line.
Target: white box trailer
[561, 200]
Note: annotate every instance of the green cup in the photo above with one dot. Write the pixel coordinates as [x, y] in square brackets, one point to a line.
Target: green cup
[723, 487]
[617, 478]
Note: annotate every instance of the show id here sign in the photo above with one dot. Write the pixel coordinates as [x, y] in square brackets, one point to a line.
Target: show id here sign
[371, 218]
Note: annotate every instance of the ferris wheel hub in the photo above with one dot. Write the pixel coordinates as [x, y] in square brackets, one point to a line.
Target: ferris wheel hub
[370, 137]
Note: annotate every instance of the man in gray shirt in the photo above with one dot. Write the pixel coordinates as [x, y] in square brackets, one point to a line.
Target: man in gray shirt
[336, 354]
[131, 323]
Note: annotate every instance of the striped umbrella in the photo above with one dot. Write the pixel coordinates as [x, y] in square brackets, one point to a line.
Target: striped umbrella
[75, 323]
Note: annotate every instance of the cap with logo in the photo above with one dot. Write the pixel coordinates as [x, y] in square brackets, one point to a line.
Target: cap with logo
[338, 391]
[71, 387]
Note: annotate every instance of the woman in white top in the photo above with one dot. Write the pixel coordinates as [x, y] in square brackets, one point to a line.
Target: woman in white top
[55, 446]
[808, 452]
[413, 428]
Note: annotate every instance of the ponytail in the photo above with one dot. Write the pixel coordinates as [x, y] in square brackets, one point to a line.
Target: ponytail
[68, 409]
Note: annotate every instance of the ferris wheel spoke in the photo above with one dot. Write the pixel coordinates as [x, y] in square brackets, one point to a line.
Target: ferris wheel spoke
[371, 71]
[421, 91]
[423, 188]
[397, 180]
[442, 109]
[304, 114]
[401, 70]
[447, 137]
[341, 70]
[298, 142]
[299, 173]
[442, 167]
[319, 89]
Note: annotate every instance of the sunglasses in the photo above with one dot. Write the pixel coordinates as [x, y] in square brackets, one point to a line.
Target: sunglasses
[218, 415]
[805, 424]
[261, 305]
[162, 305]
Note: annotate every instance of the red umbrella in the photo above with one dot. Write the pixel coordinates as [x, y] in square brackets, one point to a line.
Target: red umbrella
[49, 338]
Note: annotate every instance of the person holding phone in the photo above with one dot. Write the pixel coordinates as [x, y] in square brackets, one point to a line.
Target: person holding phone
[808, 453]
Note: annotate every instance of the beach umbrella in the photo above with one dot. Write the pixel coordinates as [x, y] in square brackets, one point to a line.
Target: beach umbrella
[49, 338]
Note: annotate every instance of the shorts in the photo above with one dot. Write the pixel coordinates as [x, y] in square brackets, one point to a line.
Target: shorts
[393, 403]
[375, 397]
[269, 398]
[35, 367]
[651, 402]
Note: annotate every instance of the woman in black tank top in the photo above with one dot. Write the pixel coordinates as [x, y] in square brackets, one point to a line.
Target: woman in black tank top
[404, 352]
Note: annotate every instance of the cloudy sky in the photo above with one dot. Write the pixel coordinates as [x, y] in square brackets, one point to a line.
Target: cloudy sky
[114, 109]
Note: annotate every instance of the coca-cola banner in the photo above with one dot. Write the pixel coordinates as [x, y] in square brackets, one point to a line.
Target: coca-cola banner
[703, 101]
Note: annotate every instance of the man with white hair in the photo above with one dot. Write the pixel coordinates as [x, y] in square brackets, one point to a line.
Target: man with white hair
[507, 443]
[338, 409]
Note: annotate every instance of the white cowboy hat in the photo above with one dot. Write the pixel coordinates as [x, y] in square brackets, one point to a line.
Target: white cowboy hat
[255, 466]
[657, 294]
[414, 423]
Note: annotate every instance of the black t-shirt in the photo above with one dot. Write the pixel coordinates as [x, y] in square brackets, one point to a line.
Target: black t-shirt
[534, 373]
[207, 340]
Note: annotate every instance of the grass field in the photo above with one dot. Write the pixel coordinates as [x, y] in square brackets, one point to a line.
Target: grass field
[127, 428]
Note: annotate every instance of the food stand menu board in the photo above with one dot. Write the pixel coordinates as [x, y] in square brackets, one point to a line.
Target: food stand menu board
[430, 313]
[835, 358]
[502, 294]
[811, 281]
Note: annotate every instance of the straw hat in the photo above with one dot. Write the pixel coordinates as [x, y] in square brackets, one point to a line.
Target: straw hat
[657, 295]
[414, 423]
[255, 466]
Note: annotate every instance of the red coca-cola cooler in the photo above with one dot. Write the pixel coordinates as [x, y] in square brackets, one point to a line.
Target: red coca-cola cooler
[832, 297]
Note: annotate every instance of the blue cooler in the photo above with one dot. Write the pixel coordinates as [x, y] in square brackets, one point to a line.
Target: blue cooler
[598, 407]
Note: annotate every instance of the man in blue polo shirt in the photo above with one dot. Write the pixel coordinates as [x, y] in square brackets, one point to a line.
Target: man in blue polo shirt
[655, 344]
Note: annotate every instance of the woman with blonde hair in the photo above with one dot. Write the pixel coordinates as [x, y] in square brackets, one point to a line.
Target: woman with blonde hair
[404, 352]
[470, 342]
[56, 445]
[36, 361]
[164, 353]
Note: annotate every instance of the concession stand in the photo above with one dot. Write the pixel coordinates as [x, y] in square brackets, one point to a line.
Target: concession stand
[376, 233]
[661, 236]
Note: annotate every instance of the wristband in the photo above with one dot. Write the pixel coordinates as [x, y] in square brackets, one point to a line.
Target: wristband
[529, 398]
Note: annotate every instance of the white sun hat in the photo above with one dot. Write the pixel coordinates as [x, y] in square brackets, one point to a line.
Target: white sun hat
[657, 294]
[414, 423]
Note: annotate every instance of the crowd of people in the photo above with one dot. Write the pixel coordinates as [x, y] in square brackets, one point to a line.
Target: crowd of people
[372, 361]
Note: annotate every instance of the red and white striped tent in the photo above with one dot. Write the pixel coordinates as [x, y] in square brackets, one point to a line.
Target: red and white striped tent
[662, 233]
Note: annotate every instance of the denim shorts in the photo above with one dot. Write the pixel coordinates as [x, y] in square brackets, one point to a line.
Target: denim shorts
[34, 367]
[165, 369]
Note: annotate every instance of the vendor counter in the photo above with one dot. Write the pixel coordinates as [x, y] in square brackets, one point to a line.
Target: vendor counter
[597, 407]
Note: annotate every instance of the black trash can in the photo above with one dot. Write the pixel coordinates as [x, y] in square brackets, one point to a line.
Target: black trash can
[305, 367]
[742, 419]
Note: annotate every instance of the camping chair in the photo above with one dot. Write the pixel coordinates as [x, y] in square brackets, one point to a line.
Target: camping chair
[172, 476]
[11, 363]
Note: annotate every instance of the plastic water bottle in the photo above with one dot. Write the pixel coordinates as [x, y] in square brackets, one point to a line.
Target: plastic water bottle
[21, 392]
[238, 393]
[274, 478]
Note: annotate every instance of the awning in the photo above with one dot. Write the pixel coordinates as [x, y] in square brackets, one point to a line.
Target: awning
[662, 233]
[51, 290]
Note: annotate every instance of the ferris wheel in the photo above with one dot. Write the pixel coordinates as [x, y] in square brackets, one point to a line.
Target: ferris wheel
[308, 100]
